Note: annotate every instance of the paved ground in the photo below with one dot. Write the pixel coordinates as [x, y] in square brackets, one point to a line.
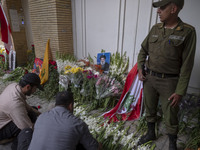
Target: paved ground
[161, 142]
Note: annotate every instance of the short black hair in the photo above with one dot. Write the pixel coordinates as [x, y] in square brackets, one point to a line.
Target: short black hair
[32, 79]
[64, 98]
[23, 83]
[103, 56]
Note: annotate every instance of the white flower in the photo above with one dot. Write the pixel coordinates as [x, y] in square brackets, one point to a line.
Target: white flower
[89, 69]
[123, 141]
[114, 142]
[80, 63]
[133, 142]
[96, 73]
[142, 147]
[96, 126]
[61, 64]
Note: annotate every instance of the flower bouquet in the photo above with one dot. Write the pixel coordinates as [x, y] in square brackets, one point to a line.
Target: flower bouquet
[3, 59]
[63, 60]
[88, 86]
[106, 87]
[118, 64]
[74, 74]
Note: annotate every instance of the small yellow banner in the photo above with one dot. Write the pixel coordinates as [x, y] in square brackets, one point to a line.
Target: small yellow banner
[44, 73]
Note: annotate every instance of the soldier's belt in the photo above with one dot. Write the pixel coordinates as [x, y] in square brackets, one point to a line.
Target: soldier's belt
[161, 75]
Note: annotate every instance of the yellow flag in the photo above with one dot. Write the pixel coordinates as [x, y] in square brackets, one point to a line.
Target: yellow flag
[44, 73]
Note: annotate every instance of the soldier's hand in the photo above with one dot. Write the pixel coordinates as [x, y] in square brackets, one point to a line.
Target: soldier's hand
[141, 77]
[175, 98]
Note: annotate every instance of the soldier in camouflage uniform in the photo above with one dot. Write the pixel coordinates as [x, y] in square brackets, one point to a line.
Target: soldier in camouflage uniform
[168, 55]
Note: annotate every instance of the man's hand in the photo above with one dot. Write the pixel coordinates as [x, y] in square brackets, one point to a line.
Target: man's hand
[140, 75]
[175, 98]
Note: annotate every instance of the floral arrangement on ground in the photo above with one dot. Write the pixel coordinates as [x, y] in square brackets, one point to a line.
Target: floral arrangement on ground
[89, 83]
[113, 136]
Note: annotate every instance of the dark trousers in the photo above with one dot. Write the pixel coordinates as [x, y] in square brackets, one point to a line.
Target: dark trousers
[11, 130]
[80, 147]
[24, 139]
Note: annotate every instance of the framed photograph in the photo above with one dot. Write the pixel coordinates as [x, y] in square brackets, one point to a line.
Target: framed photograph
[103, 59]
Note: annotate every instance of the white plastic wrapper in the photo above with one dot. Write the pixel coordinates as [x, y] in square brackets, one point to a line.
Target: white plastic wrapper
[64, 81]
[12, 60]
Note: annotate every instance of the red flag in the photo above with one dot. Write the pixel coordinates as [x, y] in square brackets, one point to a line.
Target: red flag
[5, 30]
[126, 109]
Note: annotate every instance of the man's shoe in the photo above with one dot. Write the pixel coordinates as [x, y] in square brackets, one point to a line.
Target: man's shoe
[172, 142]
[150, 134]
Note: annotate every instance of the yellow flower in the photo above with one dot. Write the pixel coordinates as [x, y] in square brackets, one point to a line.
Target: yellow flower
[67, 67]
[76, 70]
[3, 50]
[80, 69]
[67, 71]
[73, 70]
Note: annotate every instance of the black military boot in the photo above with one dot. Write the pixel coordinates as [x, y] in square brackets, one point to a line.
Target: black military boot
[172, 142]
[150, 134]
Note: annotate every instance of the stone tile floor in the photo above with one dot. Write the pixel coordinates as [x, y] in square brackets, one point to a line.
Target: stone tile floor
[161, 142]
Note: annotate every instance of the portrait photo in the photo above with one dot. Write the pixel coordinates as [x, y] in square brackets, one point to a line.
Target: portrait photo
[103, 59]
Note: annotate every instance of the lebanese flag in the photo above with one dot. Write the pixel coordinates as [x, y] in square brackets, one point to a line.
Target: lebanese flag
[5, 31]
[130, 103]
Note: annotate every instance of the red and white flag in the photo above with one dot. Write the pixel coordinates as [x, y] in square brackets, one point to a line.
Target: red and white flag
[129, 107]
[6, 36]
